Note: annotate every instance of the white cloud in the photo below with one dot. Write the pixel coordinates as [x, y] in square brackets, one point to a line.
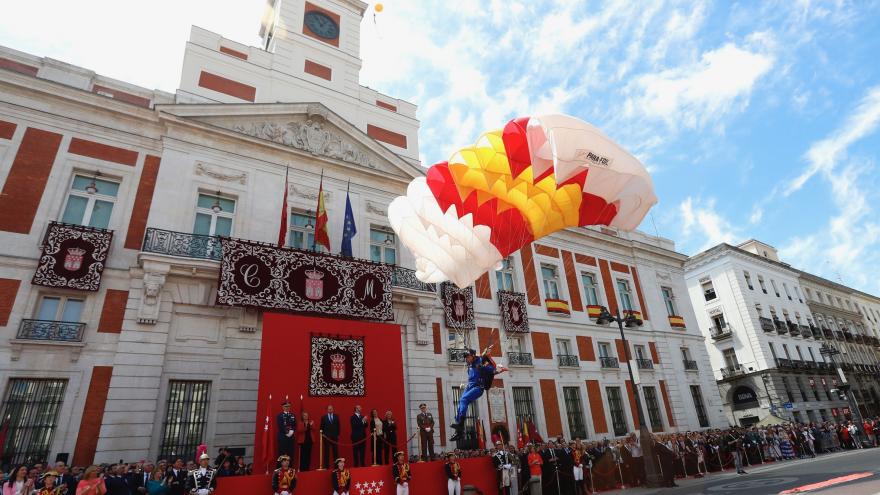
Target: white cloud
[825, 154]
[696, 94]
[702, 224]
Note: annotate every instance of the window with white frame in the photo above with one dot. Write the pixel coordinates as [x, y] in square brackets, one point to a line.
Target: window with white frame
[761, 284]
[550, 274]
[639, 351]
[60, 308]
[730, 358]
[505, 275]
[669, 300]
[708, 290]
[302, 231]
[563, 347]
[214, 215]
[685, 353]
[591, 288]
[456, 340]
[383, 245]
[797, 294]
[785, 289]
[775, 289]
[625, 294]
[604, 349]
[748, 280]
[514, 344]
[90, 201]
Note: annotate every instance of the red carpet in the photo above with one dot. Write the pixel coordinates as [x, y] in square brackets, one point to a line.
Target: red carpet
[429, 478]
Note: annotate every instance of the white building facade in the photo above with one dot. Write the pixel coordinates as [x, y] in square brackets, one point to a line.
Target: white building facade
[148, 366]
[763, 335]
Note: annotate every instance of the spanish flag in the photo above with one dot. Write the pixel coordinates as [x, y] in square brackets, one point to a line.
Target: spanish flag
[519, 436]
[481, 435]
[321, 235]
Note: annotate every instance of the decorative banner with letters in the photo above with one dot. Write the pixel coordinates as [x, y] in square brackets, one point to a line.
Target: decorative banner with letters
[263, 276]
[514, 317]
[337, 367]
[458, 306]
[73, 257]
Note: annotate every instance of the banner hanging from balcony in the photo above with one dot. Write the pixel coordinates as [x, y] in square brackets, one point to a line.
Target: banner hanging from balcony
[458, 306]
[337, 367]
[514, 318]
[267, 277]
[73, 257]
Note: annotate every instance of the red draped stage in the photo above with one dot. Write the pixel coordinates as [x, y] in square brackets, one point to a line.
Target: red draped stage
[429, 478]
[285, 365]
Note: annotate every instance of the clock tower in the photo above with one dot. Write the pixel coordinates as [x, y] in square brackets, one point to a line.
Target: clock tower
[316, 39]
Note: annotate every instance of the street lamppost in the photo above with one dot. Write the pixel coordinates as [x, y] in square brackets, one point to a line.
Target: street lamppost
[652, 477]
[830, 351]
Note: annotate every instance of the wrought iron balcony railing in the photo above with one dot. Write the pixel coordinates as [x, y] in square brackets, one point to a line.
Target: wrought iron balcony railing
[57, 331]
[609, 362]
[406, 278]
[780, 325]
[783, 363]
[519, 358]
[181, 244]
[729, 371]
[568, 361]
[456, 355]
[721, 333]
[645, 364]
[767, 324]
[690, 364]
[793, 328]
[827, 333]
[805, 331]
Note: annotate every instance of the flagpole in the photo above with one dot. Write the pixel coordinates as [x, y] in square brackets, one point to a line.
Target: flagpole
[318, 212]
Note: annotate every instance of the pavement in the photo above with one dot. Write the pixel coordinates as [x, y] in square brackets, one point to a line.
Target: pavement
[855, 472]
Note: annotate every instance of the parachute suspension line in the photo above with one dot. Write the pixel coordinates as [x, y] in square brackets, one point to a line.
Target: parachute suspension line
[656, 232]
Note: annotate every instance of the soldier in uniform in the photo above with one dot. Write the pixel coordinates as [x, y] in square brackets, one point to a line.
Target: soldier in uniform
[341, 478]
[284, 478]
[401, 473]
[453, 474]
[577, 459]
[425, 422]
[286, 423]
[503, 462]
[201, 480]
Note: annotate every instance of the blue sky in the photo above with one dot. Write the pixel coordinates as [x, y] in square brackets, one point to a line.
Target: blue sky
[756, 119]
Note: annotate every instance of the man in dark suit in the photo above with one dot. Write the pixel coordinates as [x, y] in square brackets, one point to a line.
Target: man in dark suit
[65, 478]
[138, 479]
[330, 429]
[176, 478]
[118, 483]
[286, 426]
[358, 435]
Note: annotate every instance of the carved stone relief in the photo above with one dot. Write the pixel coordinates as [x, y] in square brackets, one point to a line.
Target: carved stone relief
[423, 321]
[311, 136]
[148, 311]
[220, 173]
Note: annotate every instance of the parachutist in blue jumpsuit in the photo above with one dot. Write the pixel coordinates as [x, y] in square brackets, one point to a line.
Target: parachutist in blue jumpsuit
[481, 372]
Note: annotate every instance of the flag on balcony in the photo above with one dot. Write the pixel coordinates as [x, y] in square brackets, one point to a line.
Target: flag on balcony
[525, 431]
[349, 229]
[4, 432]
[520, 443]
[481, 436]
[533, 432]
[321, 235]
[282, 232]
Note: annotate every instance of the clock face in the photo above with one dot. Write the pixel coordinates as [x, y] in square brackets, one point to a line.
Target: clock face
[322, 25]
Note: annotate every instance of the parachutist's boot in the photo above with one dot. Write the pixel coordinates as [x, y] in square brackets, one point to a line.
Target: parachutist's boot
[458, 427]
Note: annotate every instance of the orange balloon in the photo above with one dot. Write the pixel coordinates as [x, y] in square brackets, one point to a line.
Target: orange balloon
[378, 7]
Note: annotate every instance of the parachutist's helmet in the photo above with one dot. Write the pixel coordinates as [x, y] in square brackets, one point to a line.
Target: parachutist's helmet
[471, 352]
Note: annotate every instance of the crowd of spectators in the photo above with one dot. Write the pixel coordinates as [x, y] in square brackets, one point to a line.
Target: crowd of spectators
[607, 463]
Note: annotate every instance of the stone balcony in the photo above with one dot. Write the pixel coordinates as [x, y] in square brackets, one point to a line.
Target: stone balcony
[568, 361]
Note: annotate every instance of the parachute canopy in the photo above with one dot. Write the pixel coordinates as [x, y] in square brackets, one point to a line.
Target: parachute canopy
[536, 176]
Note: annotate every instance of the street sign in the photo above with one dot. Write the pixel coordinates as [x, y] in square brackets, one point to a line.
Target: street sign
[788, 405]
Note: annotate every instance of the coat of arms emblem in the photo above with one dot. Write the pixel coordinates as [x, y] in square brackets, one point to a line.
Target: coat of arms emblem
[73, 259]
[458, 307]
[515, 315]
[337, 367]
[314, 285]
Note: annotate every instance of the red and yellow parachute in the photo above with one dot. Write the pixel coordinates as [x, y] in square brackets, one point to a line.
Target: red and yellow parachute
[536, 176]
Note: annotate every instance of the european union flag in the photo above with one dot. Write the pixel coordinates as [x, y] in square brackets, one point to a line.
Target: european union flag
[348, 230]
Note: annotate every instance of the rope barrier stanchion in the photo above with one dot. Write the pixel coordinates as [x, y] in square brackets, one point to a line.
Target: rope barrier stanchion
[720, 464]
[321, 451]
[659, 463]
[373, 434]
[420, 448]
[620, 472]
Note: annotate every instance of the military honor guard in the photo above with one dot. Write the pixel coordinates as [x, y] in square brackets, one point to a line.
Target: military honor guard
[201, 480]
[577, 458]
[425, 421]
[503, 462]
[401, 473]
[453, 474]
[284, 478]
[341, 478]
[286, 423]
